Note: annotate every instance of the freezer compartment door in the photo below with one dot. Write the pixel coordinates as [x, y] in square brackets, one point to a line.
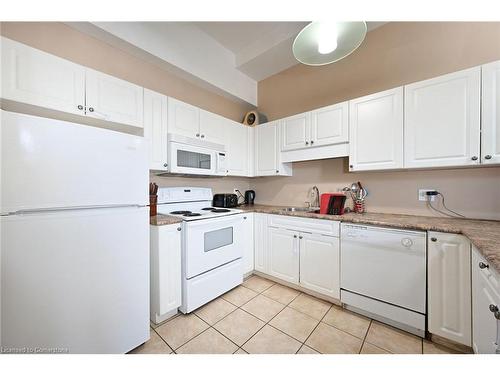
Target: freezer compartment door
[76, 281]
[47, 163]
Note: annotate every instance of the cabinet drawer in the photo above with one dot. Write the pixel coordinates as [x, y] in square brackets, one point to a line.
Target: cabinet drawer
[320, 226]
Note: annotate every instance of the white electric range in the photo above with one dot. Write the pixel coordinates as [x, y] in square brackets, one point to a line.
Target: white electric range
[211, 244]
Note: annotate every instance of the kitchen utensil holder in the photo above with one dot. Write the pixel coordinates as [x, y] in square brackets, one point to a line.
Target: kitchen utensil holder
[359, 206]
[153, 200]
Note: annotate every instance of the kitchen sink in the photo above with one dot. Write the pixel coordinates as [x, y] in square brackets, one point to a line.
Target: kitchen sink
[300, 209]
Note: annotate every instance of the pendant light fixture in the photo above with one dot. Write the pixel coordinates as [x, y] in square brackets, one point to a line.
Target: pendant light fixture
[321, 43]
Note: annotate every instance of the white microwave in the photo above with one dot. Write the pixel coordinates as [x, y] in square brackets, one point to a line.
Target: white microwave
[194, 156]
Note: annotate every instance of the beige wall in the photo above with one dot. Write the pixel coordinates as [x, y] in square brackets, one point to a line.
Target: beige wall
[392, 55]
[66, 42]
[472, 191]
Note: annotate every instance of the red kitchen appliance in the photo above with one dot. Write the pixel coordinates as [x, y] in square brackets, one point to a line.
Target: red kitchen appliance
[332, 203]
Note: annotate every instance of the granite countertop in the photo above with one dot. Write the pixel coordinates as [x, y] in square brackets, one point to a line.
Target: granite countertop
[164, 220]
[484, 234]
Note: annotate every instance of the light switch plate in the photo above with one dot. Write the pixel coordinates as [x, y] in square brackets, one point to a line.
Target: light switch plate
[423, 197]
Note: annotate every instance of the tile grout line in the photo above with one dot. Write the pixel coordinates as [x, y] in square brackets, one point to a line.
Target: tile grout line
[314, 329]
[364, 338]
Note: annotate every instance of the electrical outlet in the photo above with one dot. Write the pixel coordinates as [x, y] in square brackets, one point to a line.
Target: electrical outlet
[235, 191]
[423, 197]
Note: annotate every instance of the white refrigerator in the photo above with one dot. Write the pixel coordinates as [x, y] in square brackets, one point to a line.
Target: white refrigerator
[74, 237]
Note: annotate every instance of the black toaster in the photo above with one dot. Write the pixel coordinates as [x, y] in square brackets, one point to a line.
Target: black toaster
[225, 200]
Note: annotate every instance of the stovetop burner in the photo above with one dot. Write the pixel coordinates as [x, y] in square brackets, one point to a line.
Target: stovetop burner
[190, 214]
[180, 212]
[220, 210]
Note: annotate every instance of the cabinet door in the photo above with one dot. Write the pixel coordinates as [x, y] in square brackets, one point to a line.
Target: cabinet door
[490, 136]
[38, 78]
[484, 294]
[166, 289]
[296, 132]
[238, 143]
[266, 155]
[183, 118]
[260, 242]
[320, 264]
[248, 243]
[376, 131]
[449, 287]
[112, 99]
[213, 128]
[155, 129]
[330, 125]
[283, 254]
[442, 120]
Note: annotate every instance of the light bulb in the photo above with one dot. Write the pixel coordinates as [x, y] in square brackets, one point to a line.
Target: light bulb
[327, 40]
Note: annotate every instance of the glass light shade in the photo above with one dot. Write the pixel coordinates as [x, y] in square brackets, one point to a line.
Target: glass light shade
[321, 43]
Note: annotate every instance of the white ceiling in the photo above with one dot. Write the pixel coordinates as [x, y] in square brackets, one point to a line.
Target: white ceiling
[229, 58]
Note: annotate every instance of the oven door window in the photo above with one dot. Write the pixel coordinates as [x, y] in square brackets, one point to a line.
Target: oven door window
[196, 160]
[218, 238]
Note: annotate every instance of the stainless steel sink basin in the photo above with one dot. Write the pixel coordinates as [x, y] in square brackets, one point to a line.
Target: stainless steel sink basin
[299, 209]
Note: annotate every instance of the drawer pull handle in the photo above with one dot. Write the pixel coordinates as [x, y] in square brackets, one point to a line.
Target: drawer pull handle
[434, 239]
[483, 265]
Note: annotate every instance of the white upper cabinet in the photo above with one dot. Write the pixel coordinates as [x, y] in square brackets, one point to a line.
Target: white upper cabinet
[330, 125]
[296, 132]
[449, 287]
[442, 120]
[376, 131]
[183, 118]
[239, 147]
[112, 99]
[34, 77]
[213, 128]
[267, 151]
[155, 129]
[490, 136]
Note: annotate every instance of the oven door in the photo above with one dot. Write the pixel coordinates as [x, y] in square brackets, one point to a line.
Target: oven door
[188, 159]
[210, 243]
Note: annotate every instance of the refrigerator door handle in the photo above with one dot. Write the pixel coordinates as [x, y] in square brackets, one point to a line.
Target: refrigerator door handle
[74, 208]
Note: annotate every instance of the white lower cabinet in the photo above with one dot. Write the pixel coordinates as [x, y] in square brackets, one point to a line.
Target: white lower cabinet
[284, 254]
[308, 259]
[260, 242]
[165, 272]
[320, 264]
[248, 242]
[449, 287]
[485, 306]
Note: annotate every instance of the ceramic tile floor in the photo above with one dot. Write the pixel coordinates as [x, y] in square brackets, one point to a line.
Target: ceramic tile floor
[261, 317]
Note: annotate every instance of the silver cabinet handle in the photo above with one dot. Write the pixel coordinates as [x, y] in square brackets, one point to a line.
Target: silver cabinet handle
[474, 158]
[91, 109]
[493, 308]
[179, 229]
[351, 166]
[244, 217]
[203, 136]
[307, 143]
[434, 239]
[483, 265]
[80, 107]
[312, 142]
[487, 157]
[300, 237]
[165, 165]
[277, 171]
[294, 236]
[197, 134]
